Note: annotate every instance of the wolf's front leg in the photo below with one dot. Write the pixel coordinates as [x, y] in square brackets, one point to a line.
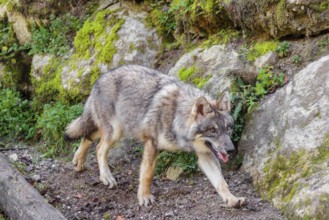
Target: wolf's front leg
[208, 165]
[146, 173]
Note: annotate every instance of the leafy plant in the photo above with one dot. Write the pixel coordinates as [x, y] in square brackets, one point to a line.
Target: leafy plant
[283, 49]
[261, 48]
[52, 123]
[244, 98]
[56, 37]
[9, 45]
[184, 160]
[16, 116]
[296, 59]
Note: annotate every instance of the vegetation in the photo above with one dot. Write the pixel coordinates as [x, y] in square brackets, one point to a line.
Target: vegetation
[9, 45]
[184, 160]
[244, 97]
[283, 49]
[52, 123]
[261, 48]
[193, 75]
[16, 116]
[56, 37]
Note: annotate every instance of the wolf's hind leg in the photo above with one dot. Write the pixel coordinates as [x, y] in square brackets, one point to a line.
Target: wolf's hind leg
[212, 170]
[107, 141]
[80, 155]
[146, 173]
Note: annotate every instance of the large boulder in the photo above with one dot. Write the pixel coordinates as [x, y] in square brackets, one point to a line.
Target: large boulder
[211, 69]
[111, 37]
[278, 18]
[286, 144]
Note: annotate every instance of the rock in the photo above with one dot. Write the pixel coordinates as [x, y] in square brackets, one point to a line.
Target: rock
[104, 4]
[174, 172]
[20, 26]
[136, 44]
[266, 60]
[13, 157]
[36, 177]
[279, 18]
[216, 63]
[120, 151]
[286, 144]
[108, 39]
[38, 64]
[124, 39]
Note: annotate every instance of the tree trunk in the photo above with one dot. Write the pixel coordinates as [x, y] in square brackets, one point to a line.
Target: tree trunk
[19, 200]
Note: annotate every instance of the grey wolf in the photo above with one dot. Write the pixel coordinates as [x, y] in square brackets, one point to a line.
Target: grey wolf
[162, 113]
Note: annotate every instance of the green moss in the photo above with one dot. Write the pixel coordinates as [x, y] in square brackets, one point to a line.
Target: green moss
[322, 153]
[261, 48]
[285, 176]
[194, 76]
[224, 36]
[109, 49]
[185, 74]
[280, 13]
[96, 38]
[95, 72]
[10, 76]
[89, 37]
[324, 6]
[47, 88]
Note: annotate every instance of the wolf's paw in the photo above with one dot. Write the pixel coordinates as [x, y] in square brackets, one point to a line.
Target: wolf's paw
[108, 180]
[145, 200]
[78, 165]
[236, 202]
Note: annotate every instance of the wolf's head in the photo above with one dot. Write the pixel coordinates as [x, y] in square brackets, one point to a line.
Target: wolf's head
[213, 125]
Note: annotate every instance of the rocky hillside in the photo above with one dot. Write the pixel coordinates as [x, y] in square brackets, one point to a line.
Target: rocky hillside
[272, 56]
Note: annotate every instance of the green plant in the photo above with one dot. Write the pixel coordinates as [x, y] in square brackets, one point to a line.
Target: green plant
[296, 59]
[261, 48]
[244, 98]
[283, 49]
[52, 123]
[16, 116]
[184, 160]
[9, 45]
[56, 37]
[267, 81]
[193, 75]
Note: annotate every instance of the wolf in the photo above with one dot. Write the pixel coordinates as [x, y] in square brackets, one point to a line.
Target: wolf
[161, 112]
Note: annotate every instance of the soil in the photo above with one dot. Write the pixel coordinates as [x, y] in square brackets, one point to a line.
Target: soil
[83, 196]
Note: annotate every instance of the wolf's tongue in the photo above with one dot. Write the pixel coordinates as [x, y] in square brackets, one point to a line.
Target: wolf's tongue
[222, 156]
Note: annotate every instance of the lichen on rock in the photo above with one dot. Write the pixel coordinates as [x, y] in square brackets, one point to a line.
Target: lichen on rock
[286, 144]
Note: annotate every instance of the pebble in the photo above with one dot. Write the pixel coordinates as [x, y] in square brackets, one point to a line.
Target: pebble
[13, 157]
[36, 177]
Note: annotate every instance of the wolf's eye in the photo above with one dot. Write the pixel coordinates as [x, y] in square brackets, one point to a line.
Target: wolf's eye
[212, 130]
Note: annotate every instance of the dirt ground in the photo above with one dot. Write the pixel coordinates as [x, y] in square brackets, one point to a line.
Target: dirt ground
[83, 196]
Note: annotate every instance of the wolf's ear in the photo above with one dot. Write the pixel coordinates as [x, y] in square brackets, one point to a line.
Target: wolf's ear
[223, 103]
[201, 107]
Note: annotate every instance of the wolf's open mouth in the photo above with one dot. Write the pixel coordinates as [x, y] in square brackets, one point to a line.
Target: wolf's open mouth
[219, 155]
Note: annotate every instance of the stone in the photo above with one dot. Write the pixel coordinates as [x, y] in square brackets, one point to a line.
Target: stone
[20, 26]
[218, 62]
[286, 144]
[174, 172]
[13, 157]
[268, 59]
[279, 18]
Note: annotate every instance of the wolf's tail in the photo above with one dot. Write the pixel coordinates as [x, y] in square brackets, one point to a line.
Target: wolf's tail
[80, 127]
